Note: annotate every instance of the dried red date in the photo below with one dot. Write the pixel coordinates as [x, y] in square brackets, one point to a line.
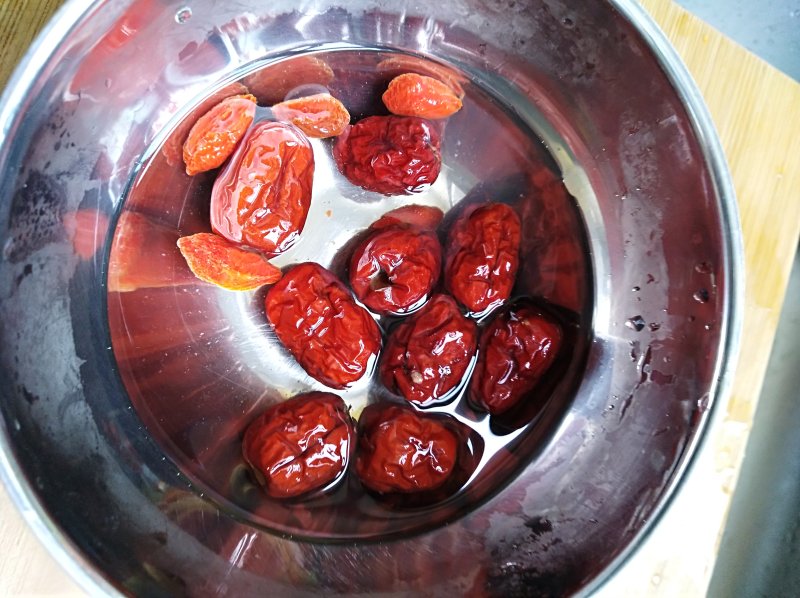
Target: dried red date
[300, 445]
[393, 155]
[421, 217]
[334, 339]
[261, 198]
[483, 256]
[394, 269]
[427, 356]
[516, 349]
[402, 451]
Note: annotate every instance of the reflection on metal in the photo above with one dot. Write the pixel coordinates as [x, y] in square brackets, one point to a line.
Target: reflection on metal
[655, 199]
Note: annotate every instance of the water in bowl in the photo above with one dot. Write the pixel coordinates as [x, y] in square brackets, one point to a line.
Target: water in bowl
[199, 363]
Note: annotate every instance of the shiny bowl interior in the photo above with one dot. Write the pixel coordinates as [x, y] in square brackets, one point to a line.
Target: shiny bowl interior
[84, 119]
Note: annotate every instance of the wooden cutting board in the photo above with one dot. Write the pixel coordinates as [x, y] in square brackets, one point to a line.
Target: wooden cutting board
[756, 110]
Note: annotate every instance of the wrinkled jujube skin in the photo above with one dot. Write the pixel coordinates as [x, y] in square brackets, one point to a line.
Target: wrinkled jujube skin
[482, 256]
[262, 196]
[427, 356]
[392, 155]
[516, 349]
[300, 445]
[335, 340]
[394, 269]
[401, 451]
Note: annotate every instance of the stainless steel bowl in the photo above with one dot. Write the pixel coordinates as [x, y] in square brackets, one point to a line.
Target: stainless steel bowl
[120, 504]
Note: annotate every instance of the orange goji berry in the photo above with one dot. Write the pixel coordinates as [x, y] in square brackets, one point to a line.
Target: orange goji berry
[417, 95]
[320, 115]
[220, 262]
[215, 134]
[173, 146]
[401, 63]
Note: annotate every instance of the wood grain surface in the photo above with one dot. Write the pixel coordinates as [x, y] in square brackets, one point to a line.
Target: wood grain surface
[20, 21]
[756, 110]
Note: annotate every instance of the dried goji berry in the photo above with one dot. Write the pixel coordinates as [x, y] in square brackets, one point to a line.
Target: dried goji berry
[428, 355]
[214, 136]
[411, 94]
[333, 338]
[273, 83]
[261, 198]
[173, 146]
[517, 347]
[399, 64]
[319, 116]
[482, 256]
[402, 451]
[393, 270]
[421, 217]
[220, 262]
[393, 155]
[300, 445]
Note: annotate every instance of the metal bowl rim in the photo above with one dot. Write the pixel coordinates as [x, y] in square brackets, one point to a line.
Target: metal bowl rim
[733, 266]
[78, 566]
